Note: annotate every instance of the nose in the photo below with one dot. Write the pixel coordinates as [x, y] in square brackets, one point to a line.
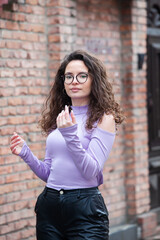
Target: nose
[75, 80]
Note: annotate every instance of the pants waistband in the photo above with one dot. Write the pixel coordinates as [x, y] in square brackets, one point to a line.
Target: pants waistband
[92, 190]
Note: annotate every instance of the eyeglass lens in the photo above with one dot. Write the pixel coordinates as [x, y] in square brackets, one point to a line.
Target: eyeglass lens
[81, 78]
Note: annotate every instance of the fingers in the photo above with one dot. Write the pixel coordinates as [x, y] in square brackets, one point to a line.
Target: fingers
[61, 120]
[16, 143]
[15, 135]
[64, 120]
[67, 113]
[73, 118]
[16, 138]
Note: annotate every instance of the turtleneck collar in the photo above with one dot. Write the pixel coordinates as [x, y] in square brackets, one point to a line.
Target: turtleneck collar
[79, 109]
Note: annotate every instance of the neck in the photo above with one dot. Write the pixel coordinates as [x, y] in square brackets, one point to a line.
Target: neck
[79, 102]
[78, 110]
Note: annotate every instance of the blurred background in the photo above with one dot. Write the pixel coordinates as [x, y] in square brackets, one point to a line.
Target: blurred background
[35, 35]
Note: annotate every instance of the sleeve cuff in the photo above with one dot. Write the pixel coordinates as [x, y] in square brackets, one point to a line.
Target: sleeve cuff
[24, 149]
[70, 129]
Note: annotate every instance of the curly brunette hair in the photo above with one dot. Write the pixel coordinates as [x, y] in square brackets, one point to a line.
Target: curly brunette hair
[101, 96]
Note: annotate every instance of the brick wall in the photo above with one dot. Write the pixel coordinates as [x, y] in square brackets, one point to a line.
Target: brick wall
[61, 32]
[23, 85]
[34, 39]
[133, 32]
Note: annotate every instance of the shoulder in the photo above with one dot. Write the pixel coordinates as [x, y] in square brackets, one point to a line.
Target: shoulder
[107, 123]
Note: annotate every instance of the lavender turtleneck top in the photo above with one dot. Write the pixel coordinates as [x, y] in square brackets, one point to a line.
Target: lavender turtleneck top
[74, 157]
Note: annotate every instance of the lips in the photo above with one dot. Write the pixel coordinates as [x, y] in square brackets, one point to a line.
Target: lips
[75, 89]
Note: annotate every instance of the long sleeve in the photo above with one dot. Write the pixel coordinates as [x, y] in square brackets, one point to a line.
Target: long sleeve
[90, 161]
[40, 168]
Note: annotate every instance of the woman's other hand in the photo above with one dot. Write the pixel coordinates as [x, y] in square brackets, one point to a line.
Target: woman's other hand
[16, 144]
[64, 120]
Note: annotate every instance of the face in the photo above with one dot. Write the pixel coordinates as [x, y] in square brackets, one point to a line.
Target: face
[78, 92]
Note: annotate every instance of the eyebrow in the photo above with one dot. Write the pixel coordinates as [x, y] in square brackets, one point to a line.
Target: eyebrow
[77, 73]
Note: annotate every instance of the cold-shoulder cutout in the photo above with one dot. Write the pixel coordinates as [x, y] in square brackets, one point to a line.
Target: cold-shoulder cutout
[107, 123]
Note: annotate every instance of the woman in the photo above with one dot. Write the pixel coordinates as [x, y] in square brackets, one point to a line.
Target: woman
[79, 118]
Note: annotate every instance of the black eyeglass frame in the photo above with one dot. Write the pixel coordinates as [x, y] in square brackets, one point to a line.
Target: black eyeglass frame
[87, 75]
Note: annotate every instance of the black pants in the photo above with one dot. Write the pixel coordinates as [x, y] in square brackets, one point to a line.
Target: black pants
[71, 215]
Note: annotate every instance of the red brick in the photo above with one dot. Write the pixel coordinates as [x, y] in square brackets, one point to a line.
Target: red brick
[11, 25]
[5, 169]
[20, 167]
[21, 224]
[14, 236]
[12, 64]
[36, 73]
[26, 175]
[4, 141]
[27, 194]
[31, 222]
[14, 101]
[39, 47]
[28, 100]
[16, 120]
[28, 232]
[22, 129]
[21, 54]
[2, 180]
[3, 219]
[54, 38]
[7, 208]
[36, 137]
[36, 146]
[6, 73]
[32, 28]
[54, 47]
[32, 2]
[20, 205]
[25, 9]
[6, 188]
[12, 178]
[19, 186]
[8, 111]
[3, 121]
[27, 46]
[35, 19]
[148, 223]
[41, 3]
[32, 185]
[19, 17]
[12, 44]
[52, 11]
[21, 91]
[13, 197]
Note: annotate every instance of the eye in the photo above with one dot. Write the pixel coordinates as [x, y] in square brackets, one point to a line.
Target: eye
[82, 75]
[68, 77]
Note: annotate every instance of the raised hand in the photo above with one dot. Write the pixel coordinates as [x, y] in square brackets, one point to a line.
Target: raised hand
[64, 120]
[16, 143]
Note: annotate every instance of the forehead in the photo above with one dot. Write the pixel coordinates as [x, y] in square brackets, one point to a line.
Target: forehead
[76, 66]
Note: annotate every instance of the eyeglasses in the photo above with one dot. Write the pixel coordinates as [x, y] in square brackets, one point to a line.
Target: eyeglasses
[80, 77]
